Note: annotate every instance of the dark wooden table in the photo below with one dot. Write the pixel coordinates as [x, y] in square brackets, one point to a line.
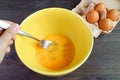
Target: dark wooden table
[103, 63]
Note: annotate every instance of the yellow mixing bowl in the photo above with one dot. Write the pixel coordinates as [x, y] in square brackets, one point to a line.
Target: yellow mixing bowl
[54, 20]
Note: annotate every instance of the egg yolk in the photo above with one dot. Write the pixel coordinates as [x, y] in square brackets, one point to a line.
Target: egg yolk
[57, 56]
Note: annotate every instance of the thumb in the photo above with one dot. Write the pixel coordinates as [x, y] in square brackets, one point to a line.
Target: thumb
[10, 32]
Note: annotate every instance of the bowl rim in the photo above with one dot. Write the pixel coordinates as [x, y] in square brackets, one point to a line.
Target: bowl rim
[68, 70]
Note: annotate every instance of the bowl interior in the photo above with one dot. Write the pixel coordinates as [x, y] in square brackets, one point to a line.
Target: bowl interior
[48, 21]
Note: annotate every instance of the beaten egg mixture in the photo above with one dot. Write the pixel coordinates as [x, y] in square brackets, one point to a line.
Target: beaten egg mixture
[57, 56]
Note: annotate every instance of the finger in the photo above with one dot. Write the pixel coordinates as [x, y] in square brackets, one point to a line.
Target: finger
[9, 22]
[11, 42]
[7, 50]
[10, 33]
[14, 38]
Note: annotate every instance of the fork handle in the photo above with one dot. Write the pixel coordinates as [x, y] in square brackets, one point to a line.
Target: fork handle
[27, 35]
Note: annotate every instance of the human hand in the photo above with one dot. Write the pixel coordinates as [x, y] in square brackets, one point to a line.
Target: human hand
[6, 39]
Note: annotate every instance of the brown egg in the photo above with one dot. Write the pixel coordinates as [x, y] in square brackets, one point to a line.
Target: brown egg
[92, 16]
[105, 24]
[113, 14]
[100, 7]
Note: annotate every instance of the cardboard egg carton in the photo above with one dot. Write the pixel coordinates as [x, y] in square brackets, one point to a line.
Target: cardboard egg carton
[87, 5]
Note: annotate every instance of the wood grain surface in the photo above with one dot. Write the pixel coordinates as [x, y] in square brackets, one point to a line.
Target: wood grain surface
[103, 63]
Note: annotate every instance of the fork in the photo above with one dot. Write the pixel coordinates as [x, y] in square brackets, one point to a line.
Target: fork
[44, 43]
